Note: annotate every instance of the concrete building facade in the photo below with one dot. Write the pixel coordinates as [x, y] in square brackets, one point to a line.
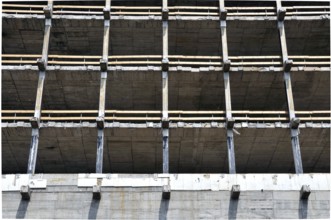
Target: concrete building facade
[171, 109]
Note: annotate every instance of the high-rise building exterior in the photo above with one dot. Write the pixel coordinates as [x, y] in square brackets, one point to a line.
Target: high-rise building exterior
[172, 109]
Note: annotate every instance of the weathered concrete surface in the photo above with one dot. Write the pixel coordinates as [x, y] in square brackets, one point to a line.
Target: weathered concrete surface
[192, 150]
[131, 37]
[141, 90]
[63, 199]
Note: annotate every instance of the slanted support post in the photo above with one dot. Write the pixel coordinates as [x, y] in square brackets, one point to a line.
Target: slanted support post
[287, 64]
[102, 97]
[42, 66]
[226, 68]
[165, 69]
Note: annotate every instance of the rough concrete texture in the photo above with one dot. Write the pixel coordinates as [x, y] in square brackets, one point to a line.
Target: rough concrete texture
[132, 37]
[63, 199]
[192, 150]
[141, 90]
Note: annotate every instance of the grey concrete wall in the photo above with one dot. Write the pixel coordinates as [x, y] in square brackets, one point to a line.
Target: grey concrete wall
[146, 203]
[139, 150]
[132, 37]
[141, 90]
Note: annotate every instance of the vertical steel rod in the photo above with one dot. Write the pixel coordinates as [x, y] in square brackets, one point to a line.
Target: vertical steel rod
[42, 74]
[226, 76]
[294, 122]
[103, 82]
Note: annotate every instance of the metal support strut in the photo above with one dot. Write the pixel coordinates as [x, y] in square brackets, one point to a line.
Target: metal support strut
[103, 80]
[287, 64]
[226, 76]
[42, 65]
[165, 69]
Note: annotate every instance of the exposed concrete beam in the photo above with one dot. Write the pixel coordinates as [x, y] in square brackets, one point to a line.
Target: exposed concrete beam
[103, 81]
[42, 74]
[226, 76]
[157, 125]
[288, 86]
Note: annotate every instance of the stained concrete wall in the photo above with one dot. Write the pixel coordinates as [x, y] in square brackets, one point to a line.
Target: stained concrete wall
[147, 204]
[139, 150]
[141, 90]
[63, 199]
[133, 37]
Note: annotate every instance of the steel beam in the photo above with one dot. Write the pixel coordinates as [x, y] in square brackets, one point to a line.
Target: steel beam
[103, 82]
[42, 64]
[294, 122]
[226, 76]
[165, 69]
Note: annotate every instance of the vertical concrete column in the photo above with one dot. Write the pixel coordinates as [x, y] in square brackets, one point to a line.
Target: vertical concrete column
[42, 66]
[294, 122]
[226, 76]
[103, 81]
[165, 69]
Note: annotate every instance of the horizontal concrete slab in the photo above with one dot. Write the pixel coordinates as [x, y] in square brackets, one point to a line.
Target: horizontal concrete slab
[200, 37]
[134, 150]
[141, 90]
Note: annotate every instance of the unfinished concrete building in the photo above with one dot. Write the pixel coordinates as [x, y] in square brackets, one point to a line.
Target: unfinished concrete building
[178, 109]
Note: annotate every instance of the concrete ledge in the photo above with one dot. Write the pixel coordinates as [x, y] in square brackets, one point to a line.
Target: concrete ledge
[182, 182]
[213, 182]
[171, 68]
[178, 17]
[54, 124]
